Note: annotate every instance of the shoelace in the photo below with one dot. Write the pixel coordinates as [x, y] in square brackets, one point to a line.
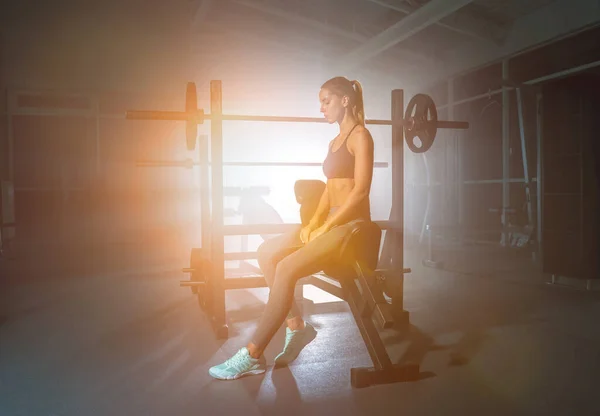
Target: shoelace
[238, 361]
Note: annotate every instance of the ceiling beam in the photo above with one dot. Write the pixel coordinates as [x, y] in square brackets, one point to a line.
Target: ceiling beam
[414, 57]
[549, 23]
[266, 43]
[461, 22]
[423, 17]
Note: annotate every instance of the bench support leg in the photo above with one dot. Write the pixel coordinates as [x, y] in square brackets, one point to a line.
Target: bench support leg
[383, 371]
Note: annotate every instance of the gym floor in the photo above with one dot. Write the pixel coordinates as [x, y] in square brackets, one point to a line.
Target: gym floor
[492, 340]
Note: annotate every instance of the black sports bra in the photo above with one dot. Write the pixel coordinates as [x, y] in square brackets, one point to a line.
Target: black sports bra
[339, 164]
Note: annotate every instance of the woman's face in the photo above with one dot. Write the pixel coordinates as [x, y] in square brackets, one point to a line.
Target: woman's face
[333, 106]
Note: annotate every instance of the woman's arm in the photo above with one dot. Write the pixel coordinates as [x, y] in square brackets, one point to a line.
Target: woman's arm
[362, 146]
[321, 211]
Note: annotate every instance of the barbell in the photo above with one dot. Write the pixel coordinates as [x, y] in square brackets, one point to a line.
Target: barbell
[420, 120]
[189, 164]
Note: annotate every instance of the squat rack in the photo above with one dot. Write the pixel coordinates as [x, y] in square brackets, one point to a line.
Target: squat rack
[213, 229]
[208, 263]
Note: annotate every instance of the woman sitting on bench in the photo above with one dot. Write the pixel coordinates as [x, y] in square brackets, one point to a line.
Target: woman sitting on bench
[307, 250]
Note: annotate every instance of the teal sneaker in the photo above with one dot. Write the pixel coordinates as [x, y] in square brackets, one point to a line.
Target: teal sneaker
[295, 341]
[240, 365]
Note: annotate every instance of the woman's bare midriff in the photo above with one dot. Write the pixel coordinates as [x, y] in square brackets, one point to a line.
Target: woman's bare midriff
[338, 190]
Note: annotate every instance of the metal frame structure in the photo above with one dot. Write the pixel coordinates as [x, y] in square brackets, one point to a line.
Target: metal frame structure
[534, 218]
[505, 153]
[354, 33]
[539, 117]
[460, 22]
[432, 11]
[524, 156]
[371, 36]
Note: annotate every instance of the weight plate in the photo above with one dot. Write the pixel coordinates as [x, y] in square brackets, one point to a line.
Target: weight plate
[422, 112]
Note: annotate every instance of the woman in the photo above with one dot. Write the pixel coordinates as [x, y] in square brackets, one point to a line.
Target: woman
[349, 171]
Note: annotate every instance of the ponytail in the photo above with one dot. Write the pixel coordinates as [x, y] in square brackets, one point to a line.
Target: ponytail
[359, 107]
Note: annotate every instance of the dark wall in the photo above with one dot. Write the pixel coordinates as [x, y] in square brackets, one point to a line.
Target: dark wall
[86, 46]
[570, 188]
[75, 175]
[562, 55]
[478, 154]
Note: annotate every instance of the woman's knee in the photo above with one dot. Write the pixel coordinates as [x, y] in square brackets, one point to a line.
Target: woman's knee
[272, 247]
[287, 271]
[266, 252]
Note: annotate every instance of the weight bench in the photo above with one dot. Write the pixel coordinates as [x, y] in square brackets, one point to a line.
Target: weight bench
[353, 278]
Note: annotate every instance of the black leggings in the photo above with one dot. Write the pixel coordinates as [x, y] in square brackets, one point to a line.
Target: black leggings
[283, 261]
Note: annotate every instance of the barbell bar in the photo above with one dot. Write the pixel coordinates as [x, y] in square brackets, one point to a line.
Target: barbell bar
[200, 117]
[420, 119]
[189, 164]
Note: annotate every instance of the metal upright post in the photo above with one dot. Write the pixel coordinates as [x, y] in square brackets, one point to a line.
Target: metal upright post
[539, 174]
[204, 172]
[524, 155]
[397, 216]
[505, 152]
[458, 177]
[217, 277]
[11, 136]
[98, 172]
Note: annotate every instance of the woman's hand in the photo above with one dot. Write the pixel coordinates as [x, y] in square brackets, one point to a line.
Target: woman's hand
[305, 232]
[318, 232]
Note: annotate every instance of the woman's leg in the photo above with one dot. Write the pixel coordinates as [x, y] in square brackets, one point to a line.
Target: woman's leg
[310, 259]
[270, 253]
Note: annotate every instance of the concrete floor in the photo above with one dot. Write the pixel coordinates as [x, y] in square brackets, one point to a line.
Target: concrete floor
[492, 340]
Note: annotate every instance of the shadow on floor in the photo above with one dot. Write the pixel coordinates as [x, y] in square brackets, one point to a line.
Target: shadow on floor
[415, 342]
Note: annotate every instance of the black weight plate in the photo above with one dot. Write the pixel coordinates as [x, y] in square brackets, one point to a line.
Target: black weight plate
[422, 110]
